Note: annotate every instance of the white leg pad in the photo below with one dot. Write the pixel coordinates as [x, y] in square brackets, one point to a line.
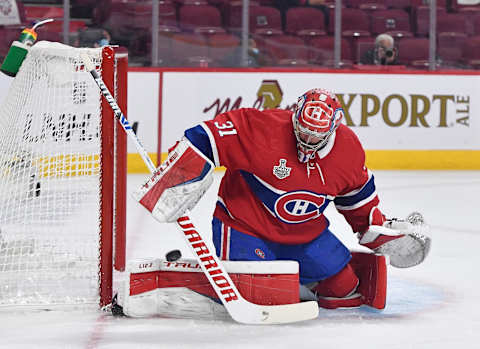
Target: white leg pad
[180, 289]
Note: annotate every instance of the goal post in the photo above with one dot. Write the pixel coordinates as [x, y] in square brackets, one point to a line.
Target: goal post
[113, 183]
[62, 179]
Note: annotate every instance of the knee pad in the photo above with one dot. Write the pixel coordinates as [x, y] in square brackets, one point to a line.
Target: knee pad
[340, 285]
[362, 281]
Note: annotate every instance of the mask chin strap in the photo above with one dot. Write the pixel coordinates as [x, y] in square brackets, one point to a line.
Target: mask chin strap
[306, 152]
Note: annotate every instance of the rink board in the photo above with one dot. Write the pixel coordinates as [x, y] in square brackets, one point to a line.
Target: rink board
[405, 119]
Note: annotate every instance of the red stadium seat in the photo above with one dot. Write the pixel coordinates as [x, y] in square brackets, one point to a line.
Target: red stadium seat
[475, 25]
[470, 13]
[395, 20]
[370, 5]
[355, 22]
[232, 13]
[450, 48]
[37, 12]
[54, 31]
[363, 45]
[165, 34]
[189, 49]
[140, 15]
[400, 4]
[286, 50]
[305, 21]
[7, 35]
[414, 52]
[355, 26]
[451, 23]
[471, 52]
[421, 17]
[265, 20]
[200, 18]
[322, 50]
[221, 47]
[191, 2]
[422, 3]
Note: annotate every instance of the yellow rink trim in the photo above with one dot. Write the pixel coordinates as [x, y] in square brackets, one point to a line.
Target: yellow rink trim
[67, 165]
[381, 160]
[423, 159]
[135, 163]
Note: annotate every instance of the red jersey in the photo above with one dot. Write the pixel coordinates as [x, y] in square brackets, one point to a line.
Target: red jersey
[266, 192]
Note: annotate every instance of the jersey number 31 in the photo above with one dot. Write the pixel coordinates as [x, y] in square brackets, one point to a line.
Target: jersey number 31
[225, 129]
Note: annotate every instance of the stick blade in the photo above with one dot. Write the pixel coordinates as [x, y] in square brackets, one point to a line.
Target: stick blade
[253, 314]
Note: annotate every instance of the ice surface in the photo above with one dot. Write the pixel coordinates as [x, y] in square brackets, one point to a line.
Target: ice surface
[433, 305]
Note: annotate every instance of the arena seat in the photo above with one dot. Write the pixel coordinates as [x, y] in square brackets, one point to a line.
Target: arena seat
[393, 20]
[165, 38]
[421, 19]
[189, 50]
[414, 52]
[399, 4]
[232, 13]
[265, 20]
[286, 50]
[370, 5]
[471, 52]
[451, 22]
[470, 13]
[443, 4]
[305, 21]
[354, 21]
[322, 50]
[7, 35]
[37, 12]
[200, 18]
[221, 47]
[140, 15]
[475, 25]
[450, 47]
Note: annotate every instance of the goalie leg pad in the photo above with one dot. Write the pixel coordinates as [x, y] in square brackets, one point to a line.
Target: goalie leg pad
[362, 282]
[338, 291]
[178, 289]
[177, 184]
[339, 285]
[371, 269]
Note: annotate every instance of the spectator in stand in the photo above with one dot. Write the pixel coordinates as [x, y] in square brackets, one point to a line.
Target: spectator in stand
[383, 53]
[93, 37]
[284, 5]
[255, 57]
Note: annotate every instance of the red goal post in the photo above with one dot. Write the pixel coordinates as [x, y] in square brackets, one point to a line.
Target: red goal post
[113, 233]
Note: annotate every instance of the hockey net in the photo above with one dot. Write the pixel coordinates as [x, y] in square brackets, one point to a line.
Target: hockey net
[62, 179]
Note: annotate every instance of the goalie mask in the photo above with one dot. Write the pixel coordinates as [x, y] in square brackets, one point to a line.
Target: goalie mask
[318, 113]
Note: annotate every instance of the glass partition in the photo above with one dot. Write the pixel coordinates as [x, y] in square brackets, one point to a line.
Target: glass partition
[426, 34]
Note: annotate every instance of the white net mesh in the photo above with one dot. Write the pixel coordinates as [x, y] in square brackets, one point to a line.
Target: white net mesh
[50, 180]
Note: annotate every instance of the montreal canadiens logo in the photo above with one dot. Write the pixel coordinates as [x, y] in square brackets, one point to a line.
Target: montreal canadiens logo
[299, 206]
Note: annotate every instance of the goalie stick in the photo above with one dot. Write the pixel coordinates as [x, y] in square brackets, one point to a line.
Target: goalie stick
[238, 307]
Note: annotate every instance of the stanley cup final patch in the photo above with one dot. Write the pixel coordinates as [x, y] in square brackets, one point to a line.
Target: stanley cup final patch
[282, 171]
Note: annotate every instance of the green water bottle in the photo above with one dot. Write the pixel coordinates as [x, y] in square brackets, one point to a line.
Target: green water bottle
[19, 49]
